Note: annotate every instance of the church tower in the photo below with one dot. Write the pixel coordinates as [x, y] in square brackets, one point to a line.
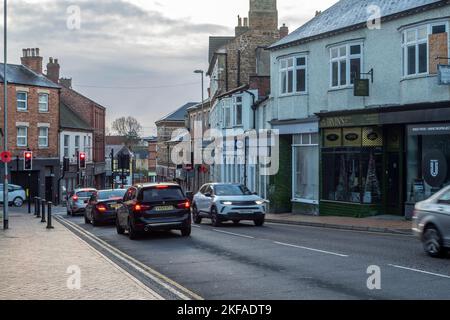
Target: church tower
[263, 15]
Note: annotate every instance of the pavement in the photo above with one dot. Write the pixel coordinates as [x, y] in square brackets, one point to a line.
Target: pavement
[383, 223]
[41, 264]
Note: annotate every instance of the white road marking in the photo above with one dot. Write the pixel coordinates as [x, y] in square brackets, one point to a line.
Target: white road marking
[195, 226]
[421, 271]
[234, 234]
[311, 249]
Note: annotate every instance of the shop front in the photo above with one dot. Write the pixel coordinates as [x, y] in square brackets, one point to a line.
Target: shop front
[361, 166]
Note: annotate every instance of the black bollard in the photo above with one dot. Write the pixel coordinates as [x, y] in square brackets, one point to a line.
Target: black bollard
[44, 203]
[29, 202]
[38, 208]
[35, 206]
[49, 219]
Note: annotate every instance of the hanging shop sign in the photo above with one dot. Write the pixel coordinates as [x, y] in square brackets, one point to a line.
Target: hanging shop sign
[361, 88]
[444, 75]
[435, 168]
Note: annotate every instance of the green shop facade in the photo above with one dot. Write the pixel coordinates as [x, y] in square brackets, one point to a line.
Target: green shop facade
[383, 160]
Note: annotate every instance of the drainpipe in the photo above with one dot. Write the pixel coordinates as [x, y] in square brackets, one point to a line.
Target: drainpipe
[239, 68]
[254, 128]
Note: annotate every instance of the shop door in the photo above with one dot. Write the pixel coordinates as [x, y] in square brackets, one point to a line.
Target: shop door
[393, 192]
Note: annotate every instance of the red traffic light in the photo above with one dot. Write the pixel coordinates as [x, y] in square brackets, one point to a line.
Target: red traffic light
[28, 155]
[82, 156]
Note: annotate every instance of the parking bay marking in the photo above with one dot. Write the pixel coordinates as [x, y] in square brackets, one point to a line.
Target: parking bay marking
[420, 271]
[139, 266]
[311, 249]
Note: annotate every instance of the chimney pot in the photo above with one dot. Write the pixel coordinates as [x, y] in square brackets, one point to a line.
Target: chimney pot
[37, 52]
[245, 22]
[239, 21]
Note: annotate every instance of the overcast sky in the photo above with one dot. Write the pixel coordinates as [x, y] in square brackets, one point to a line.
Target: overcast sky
[135, 57]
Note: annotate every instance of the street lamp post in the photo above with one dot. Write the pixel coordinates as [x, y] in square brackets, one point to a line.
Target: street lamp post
[201, 72]
[5, 110]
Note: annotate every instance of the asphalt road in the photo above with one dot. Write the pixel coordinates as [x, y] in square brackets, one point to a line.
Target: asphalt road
[287, 262]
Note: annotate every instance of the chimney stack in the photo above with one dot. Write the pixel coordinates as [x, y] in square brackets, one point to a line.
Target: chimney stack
[32, 59]
[284, 31]
[241, 28]
[53, 70]
[66, 82]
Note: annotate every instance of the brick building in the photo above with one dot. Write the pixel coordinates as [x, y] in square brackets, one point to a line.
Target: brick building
[33, 123]
[92, 113]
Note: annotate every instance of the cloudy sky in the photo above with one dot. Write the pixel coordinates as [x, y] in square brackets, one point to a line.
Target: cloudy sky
[135, 57]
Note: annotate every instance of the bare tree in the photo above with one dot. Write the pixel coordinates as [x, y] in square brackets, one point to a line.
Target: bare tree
[129, 128]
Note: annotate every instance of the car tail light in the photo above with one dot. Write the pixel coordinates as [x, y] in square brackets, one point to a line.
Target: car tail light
[141, 207]
[162, 187]
[184, 205]
[101, 208]
[75, 198]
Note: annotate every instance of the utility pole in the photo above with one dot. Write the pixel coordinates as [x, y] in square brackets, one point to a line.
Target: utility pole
[5, 110]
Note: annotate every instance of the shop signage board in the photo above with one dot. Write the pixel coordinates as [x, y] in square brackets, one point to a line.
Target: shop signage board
[435, 168]
[429, 129]
[350, 120]
[361, 88]
[444, 74]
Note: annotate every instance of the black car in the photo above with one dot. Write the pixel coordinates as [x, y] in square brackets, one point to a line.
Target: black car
[152, 207]
[102, 206]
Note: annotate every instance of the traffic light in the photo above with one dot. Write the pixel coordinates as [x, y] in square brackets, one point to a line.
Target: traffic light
[28, 161]
[82, 160]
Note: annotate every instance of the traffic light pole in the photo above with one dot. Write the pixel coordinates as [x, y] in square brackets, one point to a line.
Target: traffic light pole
[5, 110]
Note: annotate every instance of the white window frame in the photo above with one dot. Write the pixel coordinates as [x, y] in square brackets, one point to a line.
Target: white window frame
[235, 106]
[22, 137]
[18, 100]
[227, 110]
[405, 44]
[46, 145]
[347, 58]
[46, 109]
[66, 147]
[294, 68]
[303, 144]
[77, 145]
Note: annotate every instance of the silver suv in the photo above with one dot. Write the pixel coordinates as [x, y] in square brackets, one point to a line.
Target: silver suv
[431, 223]
[228, 202]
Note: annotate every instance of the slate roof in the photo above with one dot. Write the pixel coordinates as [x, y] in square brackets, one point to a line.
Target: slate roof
[215, 43]
[348, 13]
[179, 114]
[71, 120]
[19, 74]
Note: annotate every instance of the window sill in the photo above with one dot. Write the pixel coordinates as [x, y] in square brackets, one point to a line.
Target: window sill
[23, 111]
[285, 95]
[305, 201]
[340, 88]
[418, 76]
[45, 112]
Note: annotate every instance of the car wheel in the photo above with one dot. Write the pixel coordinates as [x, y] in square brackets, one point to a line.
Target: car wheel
[259, 222]
[215, 218]
[186, 231]
[196, 216]
[432, 242]
[119, 229]
[18, 202]
[132, 234]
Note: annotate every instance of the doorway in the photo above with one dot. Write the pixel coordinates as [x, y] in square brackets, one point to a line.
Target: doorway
[393, 179]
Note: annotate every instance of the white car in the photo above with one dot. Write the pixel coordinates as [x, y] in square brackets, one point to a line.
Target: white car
[16, 195]
[228, 202]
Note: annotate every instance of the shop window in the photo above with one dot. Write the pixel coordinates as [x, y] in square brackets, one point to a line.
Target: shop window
[352, 175]
[306, 168]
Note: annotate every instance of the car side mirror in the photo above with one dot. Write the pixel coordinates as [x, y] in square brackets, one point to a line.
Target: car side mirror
[208, 195]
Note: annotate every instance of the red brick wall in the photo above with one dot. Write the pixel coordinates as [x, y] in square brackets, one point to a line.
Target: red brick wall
[33, 117]
[93, 114]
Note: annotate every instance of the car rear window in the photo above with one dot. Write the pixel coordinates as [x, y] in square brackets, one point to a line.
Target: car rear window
[162, 194]
[105, 195]
[85, 194]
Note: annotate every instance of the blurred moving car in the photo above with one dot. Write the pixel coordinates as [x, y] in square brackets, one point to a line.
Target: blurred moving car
[78, 200]
[16, 195]
[431, 223]
[102, 206]
[228, 202]
[154, 206]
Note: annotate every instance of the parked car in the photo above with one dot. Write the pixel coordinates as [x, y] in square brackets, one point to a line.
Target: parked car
[102, 206]
[78, 200]
[431, 223]
[228, 202]
[154, 206]
[16, 195]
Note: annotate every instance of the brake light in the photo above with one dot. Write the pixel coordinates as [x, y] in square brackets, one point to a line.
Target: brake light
[184, 205]
[162, 187]
[101, 208]
[141, 207]
[75, 198]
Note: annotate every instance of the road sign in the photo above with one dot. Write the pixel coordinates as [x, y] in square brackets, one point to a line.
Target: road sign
[6, 157]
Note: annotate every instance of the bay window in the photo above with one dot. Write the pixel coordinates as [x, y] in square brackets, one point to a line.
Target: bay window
[345, 62]
[293, 72]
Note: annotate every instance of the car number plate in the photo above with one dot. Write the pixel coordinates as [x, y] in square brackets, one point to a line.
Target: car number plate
[246, 212]
[164, 208]
[115, 206]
